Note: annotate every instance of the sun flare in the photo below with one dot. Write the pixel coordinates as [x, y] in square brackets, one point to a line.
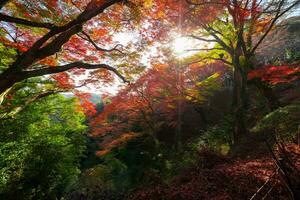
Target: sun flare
[181, 46]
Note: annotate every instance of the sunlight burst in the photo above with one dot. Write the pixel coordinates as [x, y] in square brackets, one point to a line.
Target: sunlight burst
[182, 45]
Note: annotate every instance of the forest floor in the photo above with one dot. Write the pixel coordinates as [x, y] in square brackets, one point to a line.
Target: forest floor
[253, 175]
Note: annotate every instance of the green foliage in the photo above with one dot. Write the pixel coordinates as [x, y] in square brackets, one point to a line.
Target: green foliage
[7, 57]
[284, 121]
[120, 171]
[40, 149]
[103, 180]
[22, 94]
[204, 88]
[142, 158]
[137, 164]
[218, 137]
[292, 55]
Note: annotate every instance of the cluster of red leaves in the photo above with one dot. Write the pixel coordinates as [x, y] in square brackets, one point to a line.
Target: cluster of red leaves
[16, 45]
[63, 80]
[86, 105]
[215, 177]
[275, 74]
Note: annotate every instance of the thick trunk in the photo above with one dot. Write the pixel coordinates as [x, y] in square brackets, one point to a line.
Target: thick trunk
[239, 99]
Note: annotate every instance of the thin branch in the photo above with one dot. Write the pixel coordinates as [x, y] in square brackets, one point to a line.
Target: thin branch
[9, 34]
[215, 30]
[210, 58]
[264, 197]
[74, 4]
[34, 98]
[89, 39]
[62, 68]
[205, 49]
[201, 38]
[6, 18]
[286, 179]
[219, 40]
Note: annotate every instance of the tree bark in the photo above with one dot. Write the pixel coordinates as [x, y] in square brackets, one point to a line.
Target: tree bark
[9, 78]
[239, 102]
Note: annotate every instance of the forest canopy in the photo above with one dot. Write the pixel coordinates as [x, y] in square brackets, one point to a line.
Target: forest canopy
[149, 99]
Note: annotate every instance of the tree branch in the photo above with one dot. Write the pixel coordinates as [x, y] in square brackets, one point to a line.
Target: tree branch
[210, 58]
[89, 39]
[57, 43]
[33, 54]
[6, 18]
[41, 49]
[62, 68]
[219, 40]
[91, 11]
[204, 49]
[202, 39]
[32, 99]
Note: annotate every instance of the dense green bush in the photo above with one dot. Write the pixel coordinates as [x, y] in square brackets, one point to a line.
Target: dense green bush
[41, 149]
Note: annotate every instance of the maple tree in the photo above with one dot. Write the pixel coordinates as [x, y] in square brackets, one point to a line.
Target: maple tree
[236, 29]
[156, 99]
[52, 36]
[65, 38]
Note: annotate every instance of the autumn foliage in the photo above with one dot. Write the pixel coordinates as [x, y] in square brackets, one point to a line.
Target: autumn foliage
[156, 99]
[179, 125]
[276, 74]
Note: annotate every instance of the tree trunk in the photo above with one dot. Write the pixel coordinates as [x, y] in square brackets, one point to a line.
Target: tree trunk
[239, 99]
[201, 112]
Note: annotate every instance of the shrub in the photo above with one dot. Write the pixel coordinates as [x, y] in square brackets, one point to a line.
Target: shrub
[217, 138]
[283, 121]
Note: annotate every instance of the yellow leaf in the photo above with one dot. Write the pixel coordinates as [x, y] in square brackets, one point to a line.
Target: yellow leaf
[148, 3]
